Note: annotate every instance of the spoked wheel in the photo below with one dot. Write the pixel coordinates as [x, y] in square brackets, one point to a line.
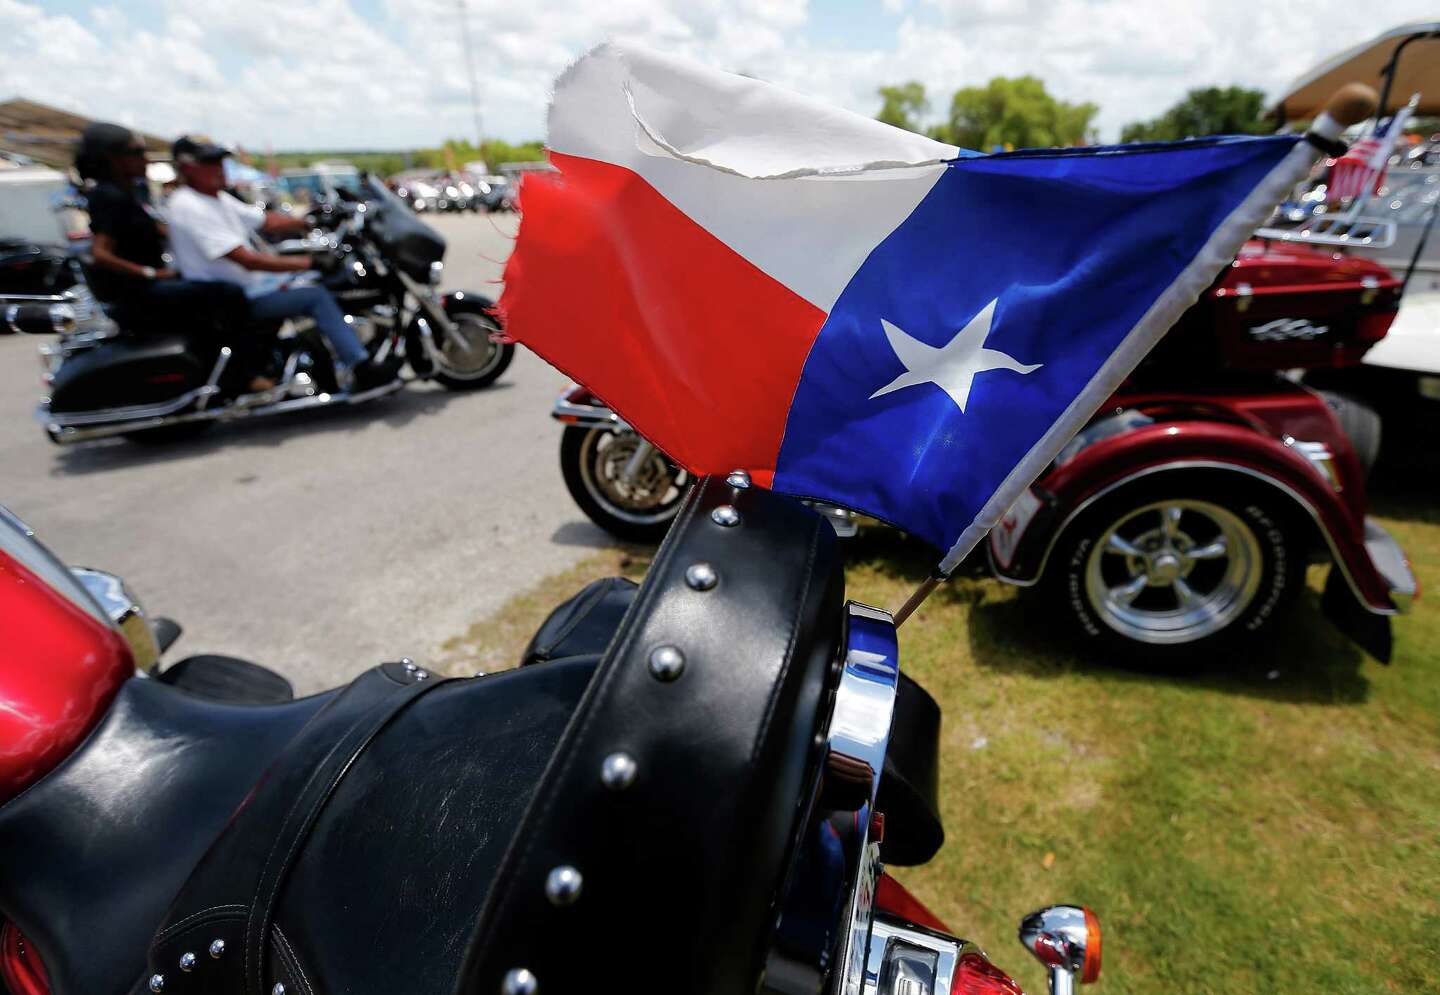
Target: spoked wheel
[622, 483]
[1161, 577]
[1173, 572]
[471, 358]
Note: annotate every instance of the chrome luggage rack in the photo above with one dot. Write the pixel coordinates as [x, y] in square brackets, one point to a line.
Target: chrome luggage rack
[1337, 230]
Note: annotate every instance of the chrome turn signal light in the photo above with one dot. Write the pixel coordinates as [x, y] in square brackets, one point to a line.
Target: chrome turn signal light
[1066, 939]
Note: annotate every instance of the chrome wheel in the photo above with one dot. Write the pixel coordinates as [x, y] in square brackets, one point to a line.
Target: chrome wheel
[629, 478]
[1173, 571]
[469, 353]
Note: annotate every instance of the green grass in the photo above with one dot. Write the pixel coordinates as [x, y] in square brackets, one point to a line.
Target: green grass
[1270, 826]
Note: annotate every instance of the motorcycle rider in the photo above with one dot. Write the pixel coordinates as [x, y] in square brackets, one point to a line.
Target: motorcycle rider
[210, 236]
[128, 268]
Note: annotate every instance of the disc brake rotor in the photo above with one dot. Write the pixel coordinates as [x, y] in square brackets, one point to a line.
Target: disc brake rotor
[649, 484]
[468, 351]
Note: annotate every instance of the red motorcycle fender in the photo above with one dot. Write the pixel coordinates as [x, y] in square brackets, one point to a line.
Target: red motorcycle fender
[1021, 544]
[59, 671]
[21, 971]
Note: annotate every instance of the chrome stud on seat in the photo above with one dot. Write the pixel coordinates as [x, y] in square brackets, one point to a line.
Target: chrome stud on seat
[701, 576]
[408, 664]
[666, 663]
[519, 981]
[738, 479]
[725, 515]
[420, 675]
[157, 982]
[562, 885]
[187, 961]
[279, 988]
[618, 771]
[217, 947]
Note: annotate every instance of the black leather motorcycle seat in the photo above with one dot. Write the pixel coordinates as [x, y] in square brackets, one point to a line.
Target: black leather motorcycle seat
[92, 854]
[404, 839]
[398, 799]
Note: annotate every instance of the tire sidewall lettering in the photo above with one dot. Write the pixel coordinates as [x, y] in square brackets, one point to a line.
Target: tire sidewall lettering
[1272, 594]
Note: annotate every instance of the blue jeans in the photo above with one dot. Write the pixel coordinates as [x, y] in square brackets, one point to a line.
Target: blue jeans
[316, 303]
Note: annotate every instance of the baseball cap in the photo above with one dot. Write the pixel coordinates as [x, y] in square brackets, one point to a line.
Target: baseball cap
[197, 148]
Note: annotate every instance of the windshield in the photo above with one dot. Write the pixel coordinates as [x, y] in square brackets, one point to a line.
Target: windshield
[372, 189]
[315, 186]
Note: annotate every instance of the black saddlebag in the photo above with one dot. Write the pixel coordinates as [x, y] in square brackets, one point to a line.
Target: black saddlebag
[127, 371]
[584, 624]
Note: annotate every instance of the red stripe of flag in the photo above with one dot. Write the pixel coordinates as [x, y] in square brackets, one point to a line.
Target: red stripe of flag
[675, 330]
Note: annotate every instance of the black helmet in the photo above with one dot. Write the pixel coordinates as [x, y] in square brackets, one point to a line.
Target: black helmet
[98, 142]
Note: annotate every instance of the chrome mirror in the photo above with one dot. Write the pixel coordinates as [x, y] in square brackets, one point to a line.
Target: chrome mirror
[1066, 939]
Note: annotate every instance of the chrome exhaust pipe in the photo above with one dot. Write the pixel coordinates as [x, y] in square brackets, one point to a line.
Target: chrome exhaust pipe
[69, 434]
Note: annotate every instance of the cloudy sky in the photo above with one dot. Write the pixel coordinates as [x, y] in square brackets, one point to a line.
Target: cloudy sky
[391, 73]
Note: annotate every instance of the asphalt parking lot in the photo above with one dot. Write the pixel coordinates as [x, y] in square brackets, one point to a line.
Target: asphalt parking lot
[322, 543]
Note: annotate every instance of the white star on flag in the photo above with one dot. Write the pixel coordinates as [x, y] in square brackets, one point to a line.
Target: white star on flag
[951, 367]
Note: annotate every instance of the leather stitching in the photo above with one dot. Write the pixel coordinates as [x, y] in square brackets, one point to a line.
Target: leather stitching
[789, 657]
[301, 797]
[355, 745]
[289, 955]
[213, 911]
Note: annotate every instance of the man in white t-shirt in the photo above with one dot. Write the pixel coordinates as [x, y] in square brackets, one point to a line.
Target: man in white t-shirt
[211, 239]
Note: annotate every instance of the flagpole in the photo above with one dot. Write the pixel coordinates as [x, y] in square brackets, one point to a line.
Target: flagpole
[917, 598]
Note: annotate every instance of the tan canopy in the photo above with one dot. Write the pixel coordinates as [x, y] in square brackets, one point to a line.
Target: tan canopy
[1419, 71]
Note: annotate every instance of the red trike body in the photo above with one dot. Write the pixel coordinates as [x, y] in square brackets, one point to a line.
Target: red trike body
[1212, 399]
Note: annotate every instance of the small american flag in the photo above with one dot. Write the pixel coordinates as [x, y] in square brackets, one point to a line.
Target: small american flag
[1361, 170]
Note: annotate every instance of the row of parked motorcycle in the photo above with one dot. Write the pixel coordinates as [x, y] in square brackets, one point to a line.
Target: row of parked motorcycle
[426, 192]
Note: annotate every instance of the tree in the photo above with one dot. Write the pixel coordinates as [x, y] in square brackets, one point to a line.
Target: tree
[1211, 110]
[1016, 112]
[493, 152]
[903, 106]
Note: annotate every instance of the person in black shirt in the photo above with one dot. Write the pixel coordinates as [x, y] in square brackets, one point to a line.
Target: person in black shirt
[129, 270]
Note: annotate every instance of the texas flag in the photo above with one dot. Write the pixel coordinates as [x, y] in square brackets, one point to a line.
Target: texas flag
[854, 313]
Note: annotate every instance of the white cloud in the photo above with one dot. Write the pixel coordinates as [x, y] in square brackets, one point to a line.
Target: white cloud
[320, 74]
[1135, 59]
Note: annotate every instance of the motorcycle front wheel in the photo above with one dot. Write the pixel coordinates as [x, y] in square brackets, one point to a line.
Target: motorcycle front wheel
[622, 483]
[470, 358]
